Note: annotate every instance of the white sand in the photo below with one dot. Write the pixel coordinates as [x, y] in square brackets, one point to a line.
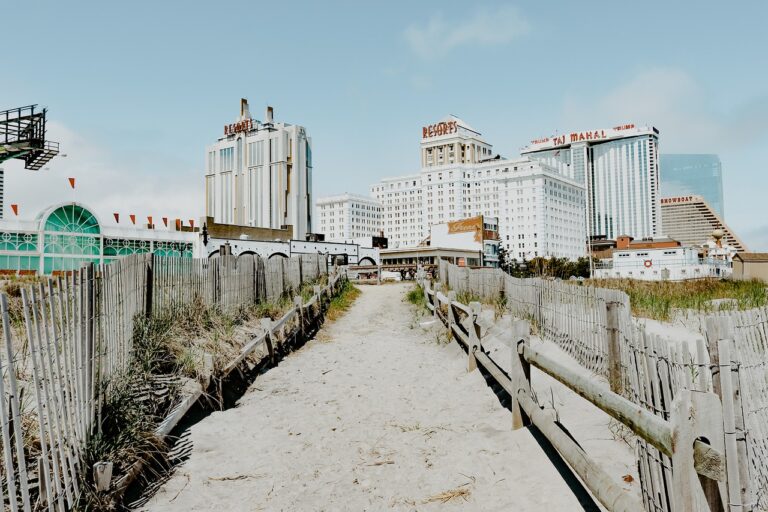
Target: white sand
[375, 415]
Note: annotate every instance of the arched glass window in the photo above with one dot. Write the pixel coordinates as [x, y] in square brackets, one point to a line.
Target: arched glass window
[72, 218]
[71, 238]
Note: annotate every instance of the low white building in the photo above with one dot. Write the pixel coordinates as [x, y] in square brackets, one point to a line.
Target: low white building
[348, 217]
[663, 264]
[353, 253]
[480, 234]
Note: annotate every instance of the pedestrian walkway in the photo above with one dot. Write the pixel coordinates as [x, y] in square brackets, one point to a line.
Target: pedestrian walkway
[376, 413]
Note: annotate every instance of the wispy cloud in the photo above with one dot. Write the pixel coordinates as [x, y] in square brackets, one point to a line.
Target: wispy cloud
[674, 102]
[104, 182]
[485, 28]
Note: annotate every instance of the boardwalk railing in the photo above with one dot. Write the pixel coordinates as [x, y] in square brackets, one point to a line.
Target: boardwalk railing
[67, 337]
[653, 384]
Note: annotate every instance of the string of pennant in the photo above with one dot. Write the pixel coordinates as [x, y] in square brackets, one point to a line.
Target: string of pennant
[179, 222]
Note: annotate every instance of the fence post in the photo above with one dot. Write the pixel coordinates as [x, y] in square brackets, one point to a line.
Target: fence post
[520, 374]
[435, 302]
[90, 340]
[319, 293]
[733, 464]
[451, 313]
[102, 475]
[614, 346]
[150, 273]
[297, 303]
[474, 336]
[718, 330]
[266, 324]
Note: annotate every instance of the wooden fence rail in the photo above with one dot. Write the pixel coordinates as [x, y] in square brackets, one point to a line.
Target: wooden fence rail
[71, 334]
[652, 384]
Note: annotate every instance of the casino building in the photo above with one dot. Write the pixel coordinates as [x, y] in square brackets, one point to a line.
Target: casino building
[259, 174]
[540, 210]
[619, 168]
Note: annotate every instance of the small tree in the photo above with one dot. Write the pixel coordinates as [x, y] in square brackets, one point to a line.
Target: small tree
[504, 263]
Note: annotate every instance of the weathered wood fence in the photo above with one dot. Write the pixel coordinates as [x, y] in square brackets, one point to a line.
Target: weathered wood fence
[72, 333]
[724, 379]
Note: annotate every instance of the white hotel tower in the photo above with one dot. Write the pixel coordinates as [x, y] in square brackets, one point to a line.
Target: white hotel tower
[260, 174]
[620, 169]
[540, 210]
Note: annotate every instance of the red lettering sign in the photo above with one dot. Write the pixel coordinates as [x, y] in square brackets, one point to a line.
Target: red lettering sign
[582, 136]
[441, 128]
[241, 126]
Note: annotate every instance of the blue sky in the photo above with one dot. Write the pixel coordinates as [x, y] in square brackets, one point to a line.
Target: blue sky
[137, 89]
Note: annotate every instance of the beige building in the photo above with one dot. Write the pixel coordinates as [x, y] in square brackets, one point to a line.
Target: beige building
[259, 174]
[691, 221]
[751, 265]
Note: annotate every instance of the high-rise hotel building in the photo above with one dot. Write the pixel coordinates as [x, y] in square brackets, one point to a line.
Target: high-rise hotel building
[259, 173]
[540, 210]
[619, 168]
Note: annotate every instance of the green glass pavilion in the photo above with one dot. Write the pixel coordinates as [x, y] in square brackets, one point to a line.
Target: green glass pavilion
[65, 236]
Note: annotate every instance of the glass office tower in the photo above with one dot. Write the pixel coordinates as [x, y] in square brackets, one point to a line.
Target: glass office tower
[686, 175]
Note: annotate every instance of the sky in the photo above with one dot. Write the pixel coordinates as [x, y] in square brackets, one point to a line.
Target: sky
[136, 90]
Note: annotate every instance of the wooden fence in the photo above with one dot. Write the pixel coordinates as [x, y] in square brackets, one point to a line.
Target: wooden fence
[71, 334]
[596, 328]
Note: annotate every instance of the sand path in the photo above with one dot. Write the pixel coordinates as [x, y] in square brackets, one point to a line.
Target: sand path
[374, 414]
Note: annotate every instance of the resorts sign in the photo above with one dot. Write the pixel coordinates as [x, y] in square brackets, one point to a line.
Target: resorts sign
[242, 126]
[441, 128]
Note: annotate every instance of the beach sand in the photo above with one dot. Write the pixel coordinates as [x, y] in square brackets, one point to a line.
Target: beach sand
[379, 413]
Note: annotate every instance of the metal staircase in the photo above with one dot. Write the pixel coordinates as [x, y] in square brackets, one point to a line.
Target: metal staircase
[22, 136]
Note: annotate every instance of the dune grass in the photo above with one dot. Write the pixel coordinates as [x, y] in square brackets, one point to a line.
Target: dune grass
[659, 299]
[415, 296]
[343, 300]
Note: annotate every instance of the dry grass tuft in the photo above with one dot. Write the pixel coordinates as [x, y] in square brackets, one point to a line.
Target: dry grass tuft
[343, 300]
[460, 492]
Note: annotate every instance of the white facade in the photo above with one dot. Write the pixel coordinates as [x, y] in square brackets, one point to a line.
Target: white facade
[260, 174]
[540, 212]
[356, 254]
[620, 170]
[348, 217]
[665, 264]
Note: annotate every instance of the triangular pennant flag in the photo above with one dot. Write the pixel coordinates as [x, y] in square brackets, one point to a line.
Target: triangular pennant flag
[117, 217]
[71, 182]
[165, 221]
[192, 223]
[15, 209]
[133, 218]
[149, 220]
